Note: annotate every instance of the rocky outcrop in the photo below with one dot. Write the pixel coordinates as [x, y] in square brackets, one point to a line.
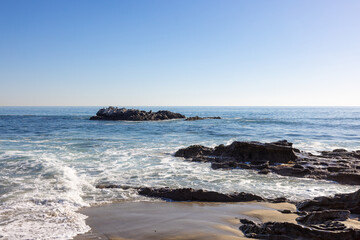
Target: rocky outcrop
[280, 158]
[200, 118]
[350, 202]
[114, 113]
[189, 194]
[319, 218]
[254, 152]
[292, 231]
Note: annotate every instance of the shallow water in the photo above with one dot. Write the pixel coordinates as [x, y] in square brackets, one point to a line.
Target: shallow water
[51, 158]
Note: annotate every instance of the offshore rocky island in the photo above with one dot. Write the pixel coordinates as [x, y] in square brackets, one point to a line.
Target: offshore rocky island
[318, 218]
[114, 113]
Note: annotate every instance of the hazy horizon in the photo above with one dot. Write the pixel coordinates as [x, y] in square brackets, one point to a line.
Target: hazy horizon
[207, 106]
[180, 53]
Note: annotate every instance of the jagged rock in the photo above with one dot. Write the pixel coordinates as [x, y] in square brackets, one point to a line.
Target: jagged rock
[200, 118]
[292, 231]
[189, 194]
[254, 152]
[350, 201]
[193, 151]
[281, 158]
[114, 113]
[341, 153]
[319, 220]
[319, 217]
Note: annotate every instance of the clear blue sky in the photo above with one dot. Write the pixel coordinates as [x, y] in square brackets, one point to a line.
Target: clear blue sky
[254, 52]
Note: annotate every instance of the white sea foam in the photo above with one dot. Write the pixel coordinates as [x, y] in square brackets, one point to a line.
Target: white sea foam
[43, 205]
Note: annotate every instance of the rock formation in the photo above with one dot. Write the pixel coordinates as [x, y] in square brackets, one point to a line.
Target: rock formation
[114, 113]
[280, 158]
[320, 219]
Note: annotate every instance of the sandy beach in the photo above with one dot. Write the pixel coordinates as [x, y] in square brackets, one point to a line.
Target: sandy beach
[178, 220]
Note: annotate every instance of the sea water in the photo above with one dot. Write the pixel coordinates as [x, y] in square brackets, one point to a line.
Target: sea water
[51, 158]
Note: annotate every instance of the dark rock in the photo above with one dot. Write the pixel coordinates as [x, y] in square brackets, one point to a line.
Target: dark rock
[264, 171]
[189, 194]
[114, 113]
[285, 211]
[254, 152]
[292, 231]
[334, 169]
[298, 166]
[110, 185]
[319, 222]
[339, 150]
[350, 201]
[200, 118]
[286, 170]
[229, 165]
[283, 143]
[318, 217]
[346, 178]
[341, 153]
[330, 226]
[281, 158]
[194, 151]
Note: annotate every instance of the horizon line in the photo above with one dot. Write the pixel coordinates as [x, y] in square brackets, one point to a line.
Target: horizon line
[180, 105]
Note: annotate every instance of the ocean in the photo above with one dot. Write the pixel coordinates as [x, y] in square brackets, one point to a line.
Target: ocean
[51, 158]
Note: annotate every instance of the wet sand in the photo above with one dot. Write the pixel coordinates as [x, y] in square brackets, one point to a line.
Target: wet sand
[177, 220]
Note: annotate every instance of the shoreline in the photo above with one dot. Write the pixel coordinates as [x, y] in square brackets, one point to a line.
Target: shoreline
[178, 220]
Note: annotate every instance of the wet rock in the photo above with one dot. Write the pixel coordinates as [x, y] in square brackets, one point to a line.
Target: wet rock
[346, 178]
[200, 118]
[189, 194]
[264, 171]
[350, 202]
[254, 152]
[330, 226]
[110, 185]
[114, 113]
[286, 211]
[229, 165]
[291, 171]
[194, 151]
[280, 158]
[319, 217]
[334, 169]
[292, 231]
[283, 143]
[341, 153]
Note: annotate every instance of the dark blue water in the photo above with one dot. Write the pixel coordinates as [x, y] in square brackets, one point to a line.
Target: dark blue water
[52, 157]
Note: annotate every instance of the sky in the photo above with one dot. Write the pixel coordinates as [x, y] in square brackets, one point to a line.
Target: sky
[180, 53]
